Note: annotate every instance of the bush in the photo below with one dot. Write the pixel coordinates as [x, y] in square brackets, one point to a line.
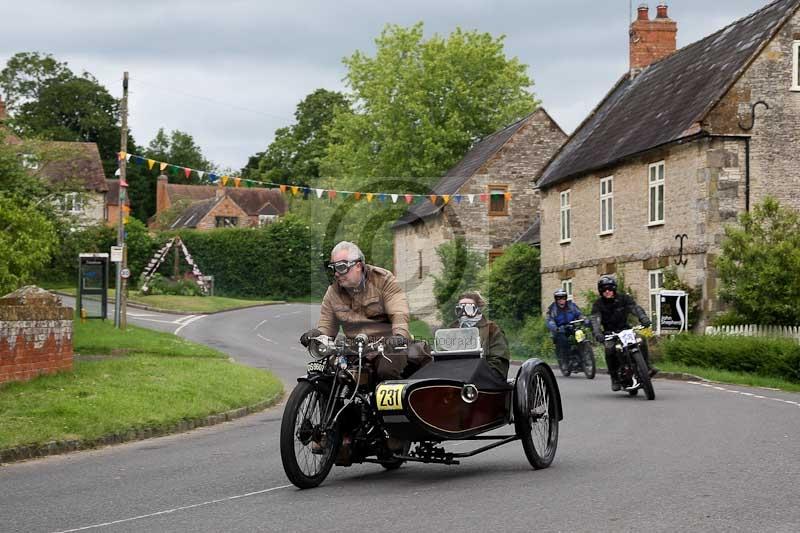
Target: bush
[531, 340]
[182, 287]
[758, 355]
[512, 285]
[460, 267]
[63, 265]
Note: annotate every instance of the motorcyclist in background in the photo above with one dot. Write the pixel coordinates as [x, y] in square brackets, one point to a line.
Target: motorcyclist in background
[560, 313]
[610, 314]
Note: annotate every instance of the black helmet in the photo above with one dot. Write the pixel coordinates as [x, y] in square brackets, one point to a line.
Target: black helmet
[606, 282]
[560, 293]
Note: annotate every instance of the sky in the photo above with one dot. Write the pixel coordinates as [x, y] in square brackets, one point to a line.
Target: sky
[231, 73]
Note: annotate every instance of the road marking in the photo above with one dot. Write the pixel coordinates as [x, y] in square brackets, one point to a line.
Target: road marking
[156, 320]
[186, 323]
[750, 394]
[168, 511]
[183, 319]
[266, 339]
[259, 324]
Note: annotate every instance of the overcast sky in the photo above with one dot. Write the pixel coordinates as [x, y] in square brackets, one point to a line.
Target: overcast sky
[231, 73]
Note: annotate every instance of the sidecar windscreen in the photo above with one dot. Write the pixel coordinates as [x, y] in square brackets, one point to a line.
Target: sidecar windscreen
[457, 343]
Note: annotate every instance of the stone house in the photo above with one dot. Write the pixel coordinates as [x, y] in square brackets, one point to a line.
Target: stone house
[503, 162]
[683, 143]
[207, 206]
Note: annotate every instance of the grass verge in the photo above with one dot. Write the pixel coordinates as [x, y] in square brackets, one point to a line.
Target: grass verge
[151, 387]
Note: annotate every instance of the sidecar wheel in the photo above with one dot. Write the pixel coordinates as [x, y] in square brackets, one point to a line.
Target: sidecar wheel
[304, 467]
[538, 427]
[587, 360]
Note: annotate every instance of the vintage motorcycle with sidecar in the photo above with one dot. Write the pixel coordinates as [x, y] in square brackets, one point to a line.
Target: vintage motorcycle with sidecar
[581, 354]
[338, 414]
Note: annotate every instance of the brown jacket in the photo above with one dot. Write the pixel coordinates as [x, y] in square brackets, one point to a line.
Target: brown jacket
[380, 309]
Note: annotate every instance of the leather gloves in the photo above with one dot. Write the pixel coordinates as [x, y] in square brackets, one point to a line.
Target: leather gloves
[395, 340]
[308, 335]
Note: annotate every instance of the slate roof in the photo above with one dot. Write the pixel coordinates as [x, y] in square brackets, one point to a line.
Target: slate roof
[668, 99]
[76, 161]
[462, 171]
[193, 214]
[531, 235]
[250, 200]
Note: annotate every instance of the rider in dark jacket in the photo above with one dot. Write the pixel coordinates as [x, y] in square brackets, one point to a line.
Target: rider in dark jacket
[610, 314]
[560, 313]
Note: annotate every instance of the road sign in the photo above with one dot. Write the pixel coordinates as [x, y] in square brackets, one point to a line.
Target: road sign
[116, 254]
[125, 273]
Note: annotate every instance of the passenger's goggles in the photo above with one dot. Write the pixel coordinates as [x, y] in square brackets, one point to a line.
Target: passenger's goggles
[342, 267]
[468, 310]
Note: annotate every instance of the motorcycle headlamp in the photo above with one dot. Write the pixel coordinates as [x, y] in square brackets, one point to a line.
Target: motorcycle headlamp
[467, 310]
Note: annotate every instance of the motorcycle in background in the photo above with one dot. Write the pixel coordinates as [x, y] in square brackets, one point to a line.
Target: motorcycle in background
[580, 357]
[632, 373]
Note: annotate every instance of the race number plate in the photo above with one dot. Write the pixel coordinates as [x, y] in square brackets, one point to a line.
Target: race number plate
[315, 366]
[389, 397]
[627, 337]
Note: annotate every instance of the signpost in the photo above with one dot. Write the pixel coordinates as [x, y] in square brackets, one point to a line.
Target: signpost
[672, 315]
[116, 254]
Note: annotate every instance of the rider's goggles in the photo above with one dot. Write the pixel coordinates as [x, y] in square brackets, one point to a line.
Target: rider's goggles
[342, 267]
[468, 310]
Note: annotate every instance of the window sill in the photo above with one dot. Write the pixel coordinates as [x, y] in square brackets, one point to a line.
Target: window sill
[795, 88]
[498, 214]
[605, 233]
[655, 224]
[565, 241]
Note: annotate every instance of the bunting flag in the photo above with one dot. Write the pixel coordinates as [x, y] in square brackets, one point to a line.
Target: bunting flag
[295, 190]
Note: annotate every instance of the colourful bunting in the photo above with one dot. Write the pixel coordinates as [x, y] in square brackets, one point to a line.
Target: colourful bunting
[446, 198]
[369, 197]
[162, 166]
[331, 195]
[295, 190]
[150, 164]
[357, 195]
[187, 172]
[282, 188]
[236, 181]
[409, 198]
[484, 197]
[507, 196]
[121, 155]
[394, 198]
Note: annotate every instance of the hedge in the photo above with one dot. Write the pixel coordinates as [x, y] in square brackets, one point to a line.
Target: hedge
[280, 260]
[758, 355]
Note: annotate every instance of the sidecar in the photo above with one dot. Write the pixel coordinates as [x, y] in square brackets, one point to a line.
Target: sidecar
[459, 397]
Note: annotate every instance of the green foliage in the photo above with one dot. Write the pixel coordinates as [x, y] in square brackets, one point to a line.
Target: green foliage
[460, 267]
[758, 355]
[295, 154]
[281, 260]
[531, 340]
[141, 246]
[63, 265]
[759, 267]
[420, 104]
[27, 238]
[26, 74]
[512, 285]
[159, 285]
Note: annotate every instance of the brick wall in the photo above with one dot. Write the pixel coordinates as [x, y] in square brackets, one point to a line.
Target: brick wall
[515, 166]
[35, 335]
[225, 208]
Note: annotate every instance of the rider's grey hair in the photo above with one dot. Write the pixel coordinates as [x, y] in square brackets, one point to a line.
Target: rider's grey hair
[353, 251]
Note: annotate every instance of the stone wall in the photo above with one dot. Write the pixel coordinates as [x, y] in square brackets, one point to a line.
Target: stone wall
[35, 335]
[225, 208]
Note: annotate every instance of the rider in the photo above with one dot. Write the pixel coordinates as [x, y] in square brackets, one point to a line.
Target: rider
[365, 299]
[610, 314]
[469, 314]
[560, 313]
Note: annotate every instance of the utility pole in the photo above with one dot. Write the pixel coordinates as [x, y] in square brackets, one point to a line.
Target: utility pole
[120, 312]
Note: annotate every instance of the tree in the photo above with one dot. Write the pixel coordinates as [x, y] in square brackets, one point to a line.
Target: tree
[26, 74]
[294, 156]
[420, 104]
[759, 267]
[512, 285]
[178, 148]
[460, 267]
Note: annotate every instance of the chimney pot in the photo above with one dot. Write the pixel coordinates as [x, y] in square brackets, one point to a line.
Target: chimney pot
[651, 40]
[642, 12]
[661, 11]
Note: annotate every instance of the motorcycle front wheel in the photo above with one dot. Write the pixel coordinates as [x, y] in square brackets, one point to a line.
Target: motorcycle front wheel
[644, 375]
[306, 461]
[538, 427]
[587, 360]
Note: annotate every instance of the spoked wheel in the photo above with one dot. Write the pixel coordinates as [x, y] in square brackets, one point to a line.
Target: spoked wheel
[587, 360]
[307, 455]
[644, 375]
[538, 427]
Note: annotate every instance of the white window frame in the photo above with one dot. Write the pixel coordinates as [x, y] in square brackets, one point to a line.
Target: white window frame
[566, 284]
[29, 161]
[607, 205]
[565, 223]
[72, 203]
[795, 66]
[263, 220]
[655, 191]
[655, 282]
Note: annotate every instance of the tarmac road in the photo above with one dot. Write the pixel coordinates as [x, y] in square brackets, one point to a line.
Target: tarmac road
[699, 458]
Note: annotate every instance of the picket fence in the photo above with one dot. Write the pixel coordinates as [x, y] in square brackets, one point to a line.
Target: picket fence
[752, 330]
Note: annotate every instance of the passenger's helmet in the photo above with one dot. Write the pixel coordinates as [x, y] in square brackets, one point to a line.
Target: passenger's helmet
[606, 282]
[560, 293]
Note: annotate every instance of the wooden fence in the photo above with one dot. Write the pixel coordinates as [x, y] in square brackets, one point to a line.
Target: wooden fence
[751, 330]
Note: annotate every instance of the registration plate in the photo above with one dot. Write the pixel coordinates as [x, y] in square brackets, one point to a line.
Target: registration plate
[315, 366]
[389, 397]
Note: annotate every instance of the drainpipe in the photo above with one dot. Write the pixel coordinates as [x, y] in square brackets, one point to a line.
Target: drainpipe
[747, 151]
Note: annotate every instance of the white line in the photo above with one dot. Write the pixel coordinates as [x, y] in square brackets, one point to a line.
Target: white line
[198, 317]
[156, 320]
[168, 511]
[183, 319]
[140, 314]
[259, 324]
[266, 339]
[749, 394]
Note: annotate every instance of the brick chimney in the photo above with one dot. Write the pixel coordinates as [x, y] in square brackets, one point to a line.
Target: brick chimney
[162, 198]
[651, 40]
[3, 115]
